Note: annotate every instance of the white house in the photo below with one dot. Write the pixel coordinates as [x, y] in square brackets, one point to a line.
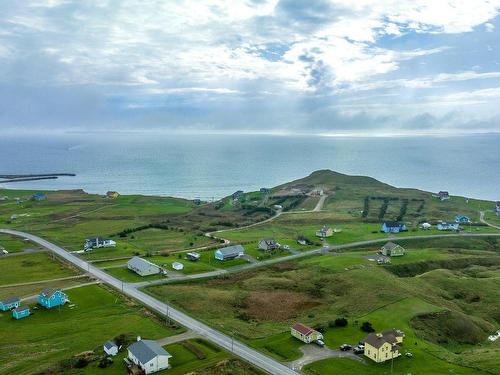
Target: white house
[110, 348]
[149, 356]
[98, 242]
[426, 226]
[143, 267]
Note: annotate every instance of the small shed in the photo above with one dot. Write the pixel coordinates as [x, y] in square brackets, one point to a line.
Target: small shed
[21, 312]
[10, 303]
[193, 256]
[391, 249]
[426, 226]
[110, 348]
[178, 266]
[230, 252]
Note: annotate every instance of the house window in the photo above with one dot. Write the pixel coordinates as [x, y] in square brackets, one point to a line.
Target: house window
[150, 365]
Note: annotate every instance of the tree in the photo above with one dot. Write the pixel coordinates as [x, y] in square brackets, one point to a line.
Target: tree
[340, 322]
[367, 327]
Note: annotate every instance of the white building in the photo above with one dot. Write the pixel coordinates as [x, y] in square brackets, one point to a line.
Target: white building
[149, 356]
[143, 267]
[177, 266]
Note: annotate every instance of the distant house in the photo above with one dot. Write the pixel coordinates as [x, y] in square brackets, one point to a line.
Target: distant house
[112, 194]
[447, 226]
[197, 201]
[425, 226]
[21, 312]
[230, 252]
[193, 256]
[9, 303]
[393, 227]
[149, 356]
[324, 232]
[143, 267]
[443, 195]
[391, 249]
[98, 242]
[110, 348]
[237, 194]
[50, 298]
[38, 197]
[497, 208]
[268, 244]
[462, 219]
[317, 192]
[178, 266]
[265, 190]
[302, 241]
[381, 347]
[305, 333]
[278, 207]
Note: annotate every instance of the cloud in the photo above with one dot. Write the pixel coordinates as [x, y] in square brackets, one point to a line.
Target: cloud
[206, 56]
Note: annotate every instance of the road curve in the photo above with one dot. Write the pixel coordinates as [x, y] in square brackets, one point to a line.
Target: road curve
[237, 348]
[483, 220]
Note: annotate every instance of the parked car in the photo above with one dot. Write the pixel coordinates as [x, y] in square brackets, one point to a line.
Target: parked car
[409, 355]
[319, 343]
[345, 347]
[358, 350]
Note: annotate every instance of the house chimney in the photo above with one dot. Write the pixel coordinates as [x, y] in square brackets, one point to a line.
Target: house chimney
[138, 338]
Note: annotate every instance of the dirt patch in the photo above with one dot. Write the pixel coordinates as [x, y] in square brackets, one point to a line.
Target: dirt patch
[232, 278]
[277, 305]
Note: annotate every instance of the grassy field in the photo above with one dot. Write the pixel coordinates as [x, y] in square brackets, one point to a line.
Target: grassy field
[259, 306]
[15, 244]
[32, 267]
[48, 336]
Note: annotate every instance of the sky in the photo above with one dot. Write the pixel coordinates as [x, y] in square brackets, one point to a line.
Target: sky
[329, 67]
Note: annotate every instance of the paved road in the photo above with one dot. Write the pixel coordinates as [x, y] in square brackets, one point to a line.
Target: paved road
[45, 281]
[312, 353]
[303, 254]
[237, 348]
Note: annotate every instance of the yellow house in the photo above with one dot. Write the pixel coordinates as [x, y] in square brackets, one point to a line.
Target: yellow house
[112, 194]
[305, 333]
[381, 347]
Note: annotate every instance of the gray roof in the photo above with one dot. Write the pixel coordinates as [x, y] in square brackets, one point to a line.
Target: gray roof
[110, 344]
[231, 250]
[377, 340]
[10, 300]
[48, 292]
[390, 246]
[146, 350]
[21, 308]
[140, 263]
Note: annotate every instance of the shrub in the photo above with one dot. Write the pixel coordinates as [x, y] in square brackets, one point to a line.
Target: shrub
[367, 327]
[321, 327]
[340, 322]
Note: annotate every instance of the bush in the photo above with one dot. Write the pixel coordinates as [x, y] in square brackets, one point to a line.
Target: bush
[367, 327]
[320, 327]
[340, 322]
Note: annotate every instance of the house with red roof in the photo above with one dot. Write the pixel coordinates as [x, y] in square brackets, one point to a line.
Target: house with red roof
[305, 333]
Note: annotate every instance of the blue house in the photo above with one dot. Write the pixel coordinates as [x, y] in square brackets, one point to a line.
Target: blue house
[38, 197]
[50, 298]
[9, 303]
[230, 252]
[21, 312]
[393, 227]
[462, 219]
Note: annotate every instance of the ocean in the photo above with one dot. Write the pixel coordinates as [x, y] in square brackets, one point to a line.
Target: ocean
[213, 166]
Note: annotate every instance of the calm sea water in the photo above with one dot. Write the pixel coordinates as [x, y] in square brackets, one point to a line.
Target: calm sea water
[208, 166]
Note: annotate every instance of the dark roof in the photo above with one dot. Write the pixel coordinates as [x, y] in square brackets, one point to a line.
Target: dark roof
[48, 292]
[443, 193]
[301, 328]
[393, 224]
[394, 332]
[231, 250]
[377, 340]
[390, 246]
[146, 350]
[110, 344]
[21, 308]
[269, 241]
[10, 300]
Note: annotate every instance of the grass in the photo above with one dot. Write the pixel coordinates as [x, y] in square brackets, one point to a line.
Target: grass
[15, 244]
[48, 336]
[258, 306]
[32, 267]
